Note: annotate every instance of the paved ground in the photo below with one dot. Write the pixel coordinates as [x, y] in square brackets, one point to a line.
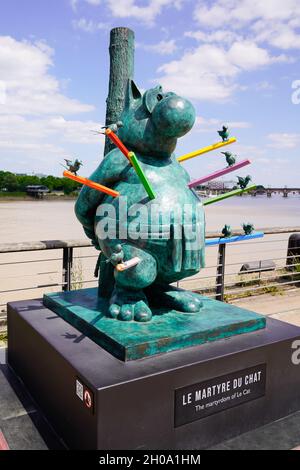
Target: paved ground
[279, 435]
[285, 307]
[21, 424]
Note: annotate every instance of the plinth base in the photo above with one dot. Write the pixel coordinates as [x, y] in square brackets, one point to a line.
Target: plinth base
[167, 331]
[187, 399]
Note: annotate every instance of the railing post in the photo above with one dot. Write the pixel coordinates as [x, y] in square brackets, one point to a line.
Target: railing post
[220, 279]
[67, 268]
[293, 252]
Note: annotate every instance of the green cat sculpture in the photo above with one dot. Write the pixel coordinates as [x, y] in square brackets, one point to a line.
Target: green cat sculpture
[167, 234]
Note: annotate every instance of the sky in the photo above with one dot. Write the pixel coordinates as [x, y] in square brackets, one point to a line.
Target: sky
[236, 60]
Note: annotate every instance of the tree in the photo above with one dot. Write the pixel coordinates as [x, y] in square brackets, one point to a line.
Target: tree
[10, 182]
[13, 182]
[2, 176]
[48, 181]
[69, 186]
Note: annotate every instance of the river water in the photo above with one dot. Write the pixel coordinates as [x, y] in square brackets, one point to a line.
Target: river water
[55, 220]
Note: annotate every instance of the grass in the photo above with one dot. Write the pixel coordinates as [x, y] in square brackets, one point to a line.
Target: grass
[77, 276]
[297, 268]
[3, 339]
[272, 290]
[7, 194]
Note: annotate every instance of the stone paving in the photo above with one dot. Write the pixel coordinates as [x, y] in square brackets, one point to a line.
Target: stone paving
[21, 424]
[285, 307]
[279, 435]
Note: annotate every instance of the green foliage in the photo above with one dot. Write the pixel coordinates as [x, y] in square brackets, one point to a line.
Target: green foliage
[10, 182]
[296, 268]
[3, 339]
[77, 276]
[296, 262]
[14, 194]
[272, 290]
[14, 183]
[69, 186]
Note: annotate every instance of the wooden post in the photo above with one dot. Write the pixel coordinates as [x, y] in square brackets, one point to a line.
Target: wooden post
[121, 50]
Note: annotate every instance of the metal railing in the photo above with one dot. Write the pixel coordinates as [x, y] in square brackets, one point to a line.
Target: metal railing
[71, 265]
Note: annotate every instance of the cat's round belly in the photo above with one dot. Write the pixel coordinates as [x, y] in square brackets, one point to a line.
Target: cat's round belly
[167, 197]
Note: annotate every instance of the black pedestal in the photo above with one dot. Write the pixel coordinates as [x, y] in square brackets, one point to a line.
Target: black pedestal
[189, 399]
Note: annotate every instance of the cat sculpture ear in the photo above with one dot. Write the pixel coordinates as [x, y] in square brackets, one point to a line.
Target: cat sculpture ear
[151, 98]
[133, 94]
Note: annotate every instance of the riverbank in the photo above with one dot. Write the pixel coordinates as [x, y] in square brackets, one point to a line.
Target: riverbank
[9, 197]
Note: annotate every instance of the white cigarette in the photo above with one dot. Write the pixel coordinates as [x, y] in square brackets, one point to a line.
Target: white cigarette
[128, 264]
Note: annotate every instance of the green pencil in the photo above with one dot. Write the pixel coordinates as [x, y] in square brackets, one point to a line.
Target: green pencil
[236, 192]
[135, 163]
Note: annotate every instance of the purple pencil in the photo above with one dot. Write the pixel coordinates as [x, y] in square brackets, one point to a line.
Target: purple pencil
[219, 173]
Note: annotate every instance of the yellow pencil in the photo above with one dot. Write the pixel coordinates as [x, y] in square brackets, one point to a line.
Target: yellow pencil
[210, 148]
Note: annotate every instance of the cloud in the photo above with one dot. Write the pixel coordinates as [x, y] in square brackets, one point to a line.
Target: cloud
[43, 143]
[239, 13]
[30, 88]
[264, 86]
[248, 56]
[220, 36]
[161, 48]
[284, 140]
[93, 2]
[280, 35]
[74, 5]
[89, 26]
[146, 14]
[33, 121]
[41, 148]
[22, 129]
[74, 131]
[210, 72]
[249, 151]
[2, 92]
[212, 124]
[270, 21]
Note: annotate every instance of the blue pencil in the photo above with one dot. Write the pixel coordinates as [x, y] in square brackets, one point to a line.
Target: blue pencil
[237, 238]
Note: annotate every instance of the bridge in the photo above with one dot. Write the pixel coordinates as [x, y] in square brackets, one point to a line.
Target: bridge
[212, 190]
[273, 191]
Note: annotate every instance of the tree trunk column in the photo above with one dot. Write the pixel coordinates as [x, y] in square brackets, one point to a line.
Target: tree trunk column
[121, 50]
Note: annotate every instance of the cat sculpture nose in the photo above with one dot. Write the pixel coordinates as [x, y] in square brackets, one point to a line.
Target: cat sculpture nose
[174, 116]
